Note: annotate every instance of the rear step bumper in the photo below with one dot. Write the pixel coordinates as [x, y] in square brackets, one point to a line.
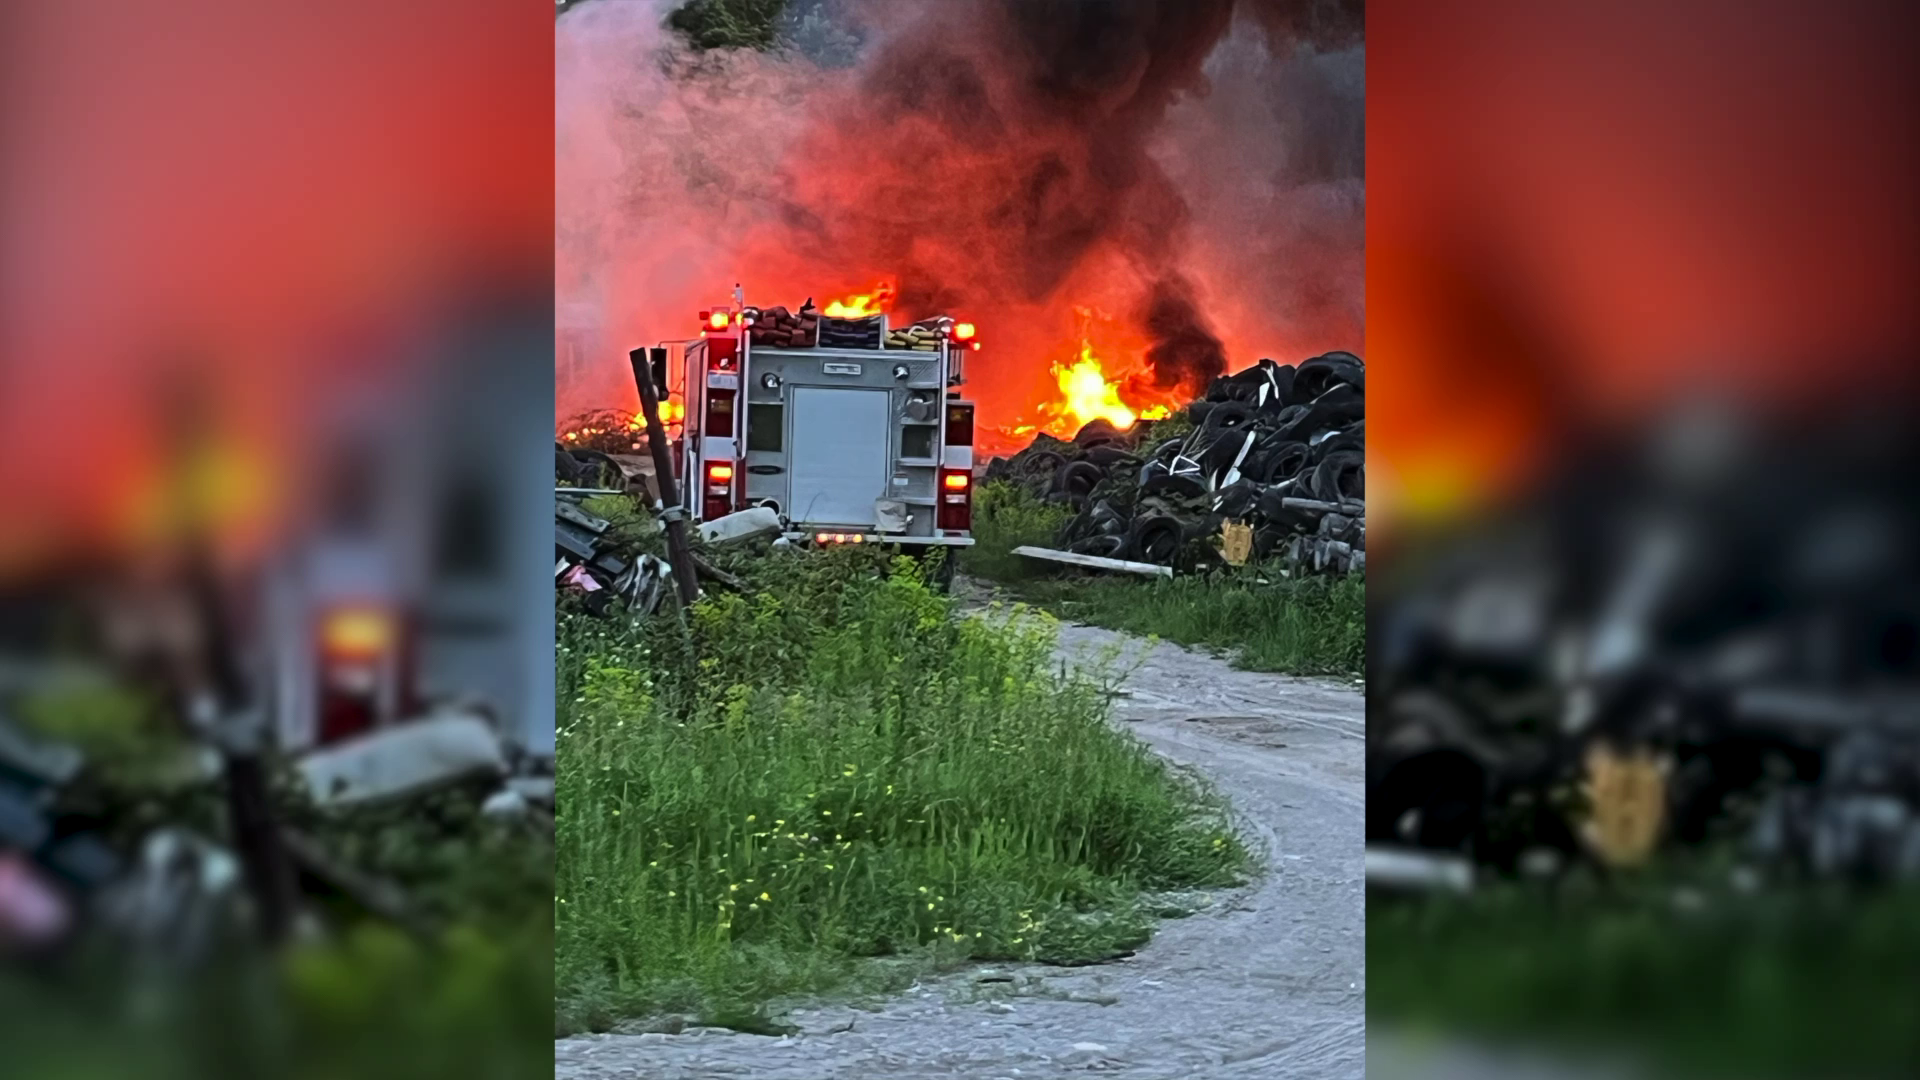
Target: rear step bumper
[885, 538]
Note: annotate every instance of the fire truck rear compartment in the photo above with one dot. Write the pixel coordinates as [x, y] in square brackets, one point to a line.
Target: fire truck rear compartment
[836, 475]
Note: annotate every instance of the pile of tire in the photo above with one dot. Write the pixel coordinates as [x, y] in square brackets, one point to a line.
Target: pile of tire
[1278, 447]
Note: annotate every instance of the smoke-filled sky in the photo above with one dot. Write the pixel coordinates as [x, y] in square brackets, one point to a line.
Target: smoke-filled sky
[1191, 171]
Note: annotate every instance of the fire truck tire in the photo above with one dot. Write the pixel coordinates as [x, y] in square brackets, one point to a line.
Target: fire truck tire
[938, 564]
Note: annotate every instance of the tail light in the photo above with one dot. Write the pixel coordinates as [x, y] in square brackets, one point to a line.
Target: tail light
[955, 512]
[717, 499]
[357, 633]
[360, 669]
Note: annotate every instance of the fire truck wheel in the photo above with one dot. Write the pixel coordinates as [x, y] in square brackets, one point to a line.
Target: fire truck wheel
[938, 565]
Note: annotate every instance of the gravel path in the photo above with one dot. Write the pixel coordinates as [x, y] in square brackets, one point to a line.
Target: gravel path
[1266, 981]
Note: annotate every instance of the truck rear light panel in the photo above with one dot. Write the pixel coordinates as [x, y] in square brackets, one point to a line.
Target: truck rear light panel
[954, 512]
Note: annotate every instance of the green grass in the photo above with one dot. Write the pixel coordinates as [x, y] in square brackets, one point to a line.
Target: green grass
[1792, 984]
[836, 768]
[1310, 626]
[1006, 516]
[1262, 621]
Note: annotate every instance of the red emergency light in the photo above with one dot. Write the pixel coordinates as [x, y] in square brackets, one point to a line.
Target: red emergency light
[715, 320]
[963, 331]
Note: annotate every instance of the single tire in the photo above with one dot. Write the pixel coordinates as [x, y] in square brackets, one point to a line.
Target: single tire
[1179, 486]
[1227, 416]
[1095, 429]
[1341, 476]
[1281, 463]
[1155, 538]
[1109, 455]
[1319, 374]
[1077, 479]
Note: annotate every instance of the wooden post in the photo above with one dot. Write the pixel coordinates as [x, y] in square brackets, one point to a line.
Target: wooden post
[671, 512]
[216, 687]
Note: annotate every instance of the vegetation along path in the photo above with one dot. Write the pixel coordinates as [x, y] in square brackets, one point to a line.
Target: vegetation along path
[1267, 980]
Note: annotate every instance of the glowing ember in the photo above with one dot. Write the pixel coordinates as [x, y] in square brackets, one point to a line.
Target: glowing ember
[672, 415]
[860, 305]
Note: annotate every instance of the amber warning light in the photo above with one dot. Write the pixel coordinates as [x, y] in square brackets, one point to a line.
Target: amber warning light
[716, 320]
[357, 632]
[963, 331]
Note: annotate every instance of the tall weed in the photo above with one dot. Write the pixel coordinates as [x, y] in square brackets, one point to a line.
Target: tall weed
[837, 767]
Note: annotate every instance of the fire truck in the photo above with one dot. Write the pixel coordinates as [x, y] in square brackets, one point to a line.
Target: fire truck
[852, 430]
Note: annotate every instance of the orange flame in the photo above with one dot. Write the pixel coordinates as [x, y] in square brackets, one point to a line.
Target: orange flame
[1095, 389]
[860, 305]
[1089, 396]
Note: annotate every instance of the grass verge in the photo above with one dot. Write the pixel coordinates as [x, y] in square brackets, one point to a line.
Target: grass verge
[834, 768]
[1308, 626]
[1795, 984]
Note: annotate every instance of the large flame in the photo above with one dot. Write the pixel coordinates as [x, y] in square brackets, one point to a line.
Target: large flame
[1095, 389]
[1089, 396]
[860, 305]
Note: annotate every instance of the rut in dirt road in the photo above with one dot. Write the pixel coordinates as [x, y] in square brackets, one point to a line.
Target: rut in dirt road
[1267, 981]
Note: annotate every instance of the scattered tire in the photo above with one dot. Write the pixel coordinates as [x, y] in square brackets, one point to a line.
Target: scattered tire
[1077, 479]
[1155, 538]
[1341, 476]
[1319, 374]
[1182, 486]
[1228, 415]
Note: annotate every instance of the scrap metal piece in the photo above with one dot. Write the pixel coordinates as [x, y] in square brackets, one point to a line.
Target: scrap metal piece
[1093, 562]
[1421, 871]
[403, 760]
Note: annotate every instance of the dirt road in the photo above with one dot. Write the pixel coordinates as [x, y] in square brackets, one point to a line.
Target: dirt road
[1267, 981]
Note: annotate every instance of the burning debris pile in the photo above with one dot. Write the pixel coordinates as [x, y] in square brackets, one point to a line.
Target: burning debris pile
[1703, 645]
[1275, 449]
